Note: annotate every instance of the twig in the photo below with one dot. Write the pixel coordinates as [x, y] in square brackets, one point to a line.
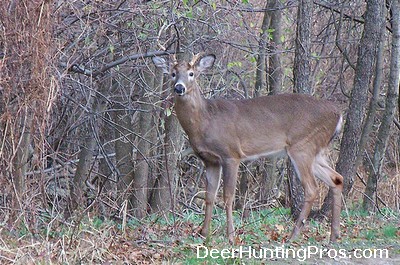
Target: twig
[94, 73]
[358, 20]
[170, 186]
[376, 194]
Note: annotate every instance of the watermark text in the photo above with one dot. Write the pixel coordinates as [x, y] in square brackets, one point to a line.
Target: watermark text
[282, 252]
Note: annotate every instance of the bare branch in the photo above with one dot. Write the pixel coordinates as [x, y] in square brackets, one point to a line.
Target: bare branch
[358, 20]
[94, 73]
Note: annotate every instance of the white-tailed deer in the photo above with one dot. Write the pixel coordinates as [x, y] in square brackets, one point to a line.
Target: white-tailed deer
[224, 132]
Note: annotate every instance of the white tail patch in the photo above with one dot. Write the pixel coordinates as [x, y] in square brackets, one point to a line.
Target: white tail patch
[339, 125]
[338, 128]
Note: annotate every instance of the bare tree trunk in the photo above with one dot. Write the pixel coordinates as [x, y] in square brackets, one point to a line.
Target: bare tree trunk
[302, 58]
[123, 151]
[271, 31]
[88, 148]
[259, 86]
[390, 109]
[164, 190]
[373, 105]
[142, 170]
[302, 84]
[275, 72]
[155, 137]
[369, 120]
[275, 81]
[163, 196]
[21, 160]
[349, 150]
[260, 83]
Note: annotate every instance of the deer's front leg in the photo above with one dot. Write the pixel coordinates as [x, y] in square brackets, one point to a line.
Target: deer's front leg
[213, 174]
[230, 171]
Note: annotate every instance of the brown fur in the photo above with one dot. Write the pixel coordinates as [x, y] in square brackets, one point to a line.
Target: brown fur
[224, 132]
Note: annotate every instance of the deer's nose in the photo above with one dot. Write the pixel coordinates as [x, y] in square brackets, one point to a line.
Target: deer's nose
[180, 89]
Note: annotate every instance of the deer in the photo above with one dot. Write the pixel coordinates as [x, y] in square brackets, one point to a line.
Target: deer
[223, 132]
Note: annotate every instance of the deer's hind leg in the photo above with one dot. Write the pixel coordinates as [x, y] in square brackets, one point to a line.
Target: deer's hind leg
[302, 162]
[334, 180]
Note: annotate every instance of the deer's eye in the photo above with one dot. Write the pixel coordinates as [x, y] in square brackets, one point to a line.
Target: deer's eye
[191, 74]
[173, 75]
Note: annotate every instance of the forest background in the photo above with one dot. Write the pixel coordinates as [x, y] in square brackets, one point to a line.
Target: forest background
[87, 125]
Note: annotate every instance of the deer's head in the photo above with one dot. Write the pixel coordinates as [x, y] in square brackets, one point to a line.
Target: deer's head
[183, 74]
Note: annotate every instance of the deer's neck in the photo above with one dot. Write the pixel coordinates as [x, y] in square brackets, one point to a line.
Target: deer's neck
[191, 111]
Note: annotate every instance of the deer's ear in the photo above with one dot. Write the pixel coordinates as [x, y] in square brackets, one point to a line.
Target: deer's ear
[206, 62]
[161, 63]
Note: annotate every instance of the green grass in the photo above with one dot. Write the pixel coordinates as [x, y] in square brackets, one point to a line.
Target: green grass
[271, 227]
[174, 238]
[391, 231]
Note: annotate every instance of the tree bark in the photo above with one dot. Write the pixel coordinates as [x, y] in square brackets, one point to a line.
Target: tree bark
[163, 196]
[260, 83]
[275, 72]
[165, 186]
[302, 84]
[369, 120]
[21, 160]
[388, 115]
[349, 150]
[373, 104]
[270, 40]
[302, 58]
[142, 170]
[275, 86]
[88, 148]
[123, 151]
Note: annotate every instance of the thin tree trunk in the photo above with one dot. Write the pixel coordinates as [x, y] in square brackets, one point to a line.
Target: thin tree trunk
[373, 105]
[275, 81]
[21, 160]
[155, 136]
[123, 151]
[302, 84]
[388, 115]
[142, 169]
[86, 154]
[163, 196]
[275, 72]
[260, 83]
[349, 150]
[369, 120]
[164, 190]
[302, 59]
[259, 86]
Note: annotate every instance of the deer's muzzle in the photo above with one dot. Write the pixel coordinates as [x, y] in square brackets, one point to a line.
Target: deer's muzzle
[180, 89]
